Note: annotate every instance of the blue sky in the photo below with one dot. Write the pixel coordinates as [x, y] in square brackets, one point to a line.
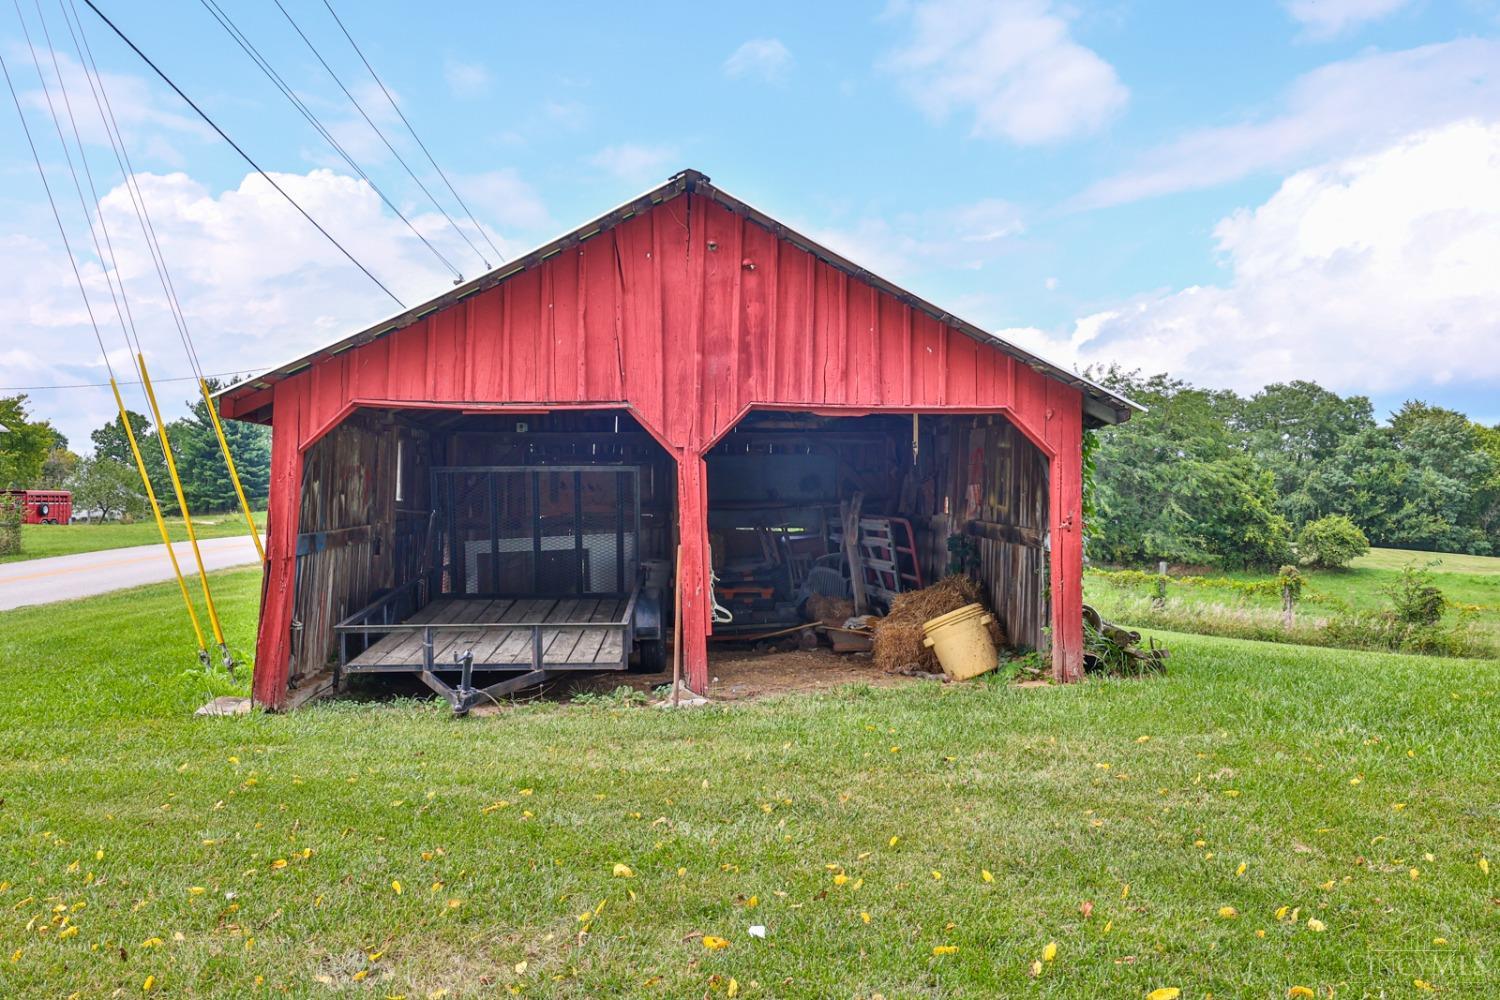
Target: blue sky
[1238, 193]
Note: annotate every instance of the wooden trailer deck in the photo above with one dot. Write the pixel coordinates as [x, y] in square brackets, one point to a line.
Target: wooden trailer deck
[585, 633]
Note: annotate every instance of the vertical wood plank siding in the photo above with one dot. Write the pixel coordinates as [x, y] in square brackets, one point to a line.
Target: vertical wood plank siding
[687, 314]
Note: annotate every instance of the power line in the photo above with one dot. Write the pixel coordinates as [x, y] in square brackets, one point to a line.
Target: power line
[127, 320]
[105, 385]
[244, 155]
[227, 23]
[122, 159]
[57, 217]
[451, 189]
[371, 122]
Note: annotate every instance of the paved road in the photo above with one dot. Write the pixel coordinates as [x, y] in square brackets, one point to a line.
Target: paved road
[62, 578]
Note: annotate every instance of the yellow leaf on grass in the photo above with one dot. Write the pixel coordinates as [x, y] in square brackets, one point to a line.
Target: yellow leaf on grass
[893, 841]
[1423, 985]
[396, 887]
[862, 915]
[521, 967]
[1228, 912]
[733, 989]
[1315, 925]
[359, 976]
[937, 876]
[1049, 953]
[1415, 873]
[278, 864]
[1036, 968]
[1164, 993]
[840, 878]
[1125, 890]
[1281, 912]
[623, 871]
[15, 956]
[1241, 869]
[68, 932]
[149, 984]
[945, 949]
[714, 943]
[1484, 865]
[752, 902]
[985, 874]
[1299, 991]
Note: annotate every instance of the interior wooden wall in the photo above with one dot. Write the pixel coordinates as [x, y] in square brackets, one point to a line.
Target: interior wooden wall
[1008, 525]
[353, 538]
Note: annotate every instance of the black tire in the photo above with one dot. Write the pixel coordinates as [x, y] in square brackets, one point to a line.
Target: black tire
[651, 656]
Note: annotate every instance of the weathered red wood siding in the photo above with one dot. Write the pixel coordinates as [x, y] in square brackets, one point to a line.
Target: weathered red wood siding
[688, 314]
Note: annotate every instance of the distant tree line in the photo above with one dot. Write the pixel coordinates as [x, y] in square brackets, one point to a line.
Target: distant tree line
[35, 455]
[1209, 477]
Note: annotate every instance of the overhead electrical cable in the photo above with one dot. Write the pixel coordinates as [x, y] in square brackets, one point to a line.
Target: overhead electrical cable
[148, 231]
[238, 149]
[135, 450]
[127, 321]
[376, 128]
[418, 139]
[227, 23]
[105, 385]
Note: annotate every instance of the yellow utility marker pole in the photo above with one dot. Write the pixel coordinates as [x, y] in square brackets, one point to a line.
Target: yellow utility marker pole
[234, 474]
[187, 518]
[161, 524]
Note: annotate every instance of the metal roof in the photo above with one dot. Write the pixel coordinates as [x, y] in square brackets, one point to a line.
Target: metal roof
[1101, 405]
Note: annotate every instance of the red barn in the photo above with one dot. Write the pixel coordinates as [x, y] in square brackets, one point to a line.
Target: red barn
[689, 375]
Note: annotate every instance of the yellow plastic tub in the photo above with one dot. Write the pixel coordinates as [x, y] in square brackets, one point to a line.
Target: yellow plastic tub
[962, 642]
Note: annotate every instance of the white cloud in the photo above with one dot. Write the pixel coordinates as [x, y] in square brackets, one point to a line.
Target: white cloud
[502, 195]
[636, 162]
[1373, 273]
[465, 79]
[258, 284]
[968, 237]
[766, 58]
[1013, 64]
[1326, 18]
[1355, 105]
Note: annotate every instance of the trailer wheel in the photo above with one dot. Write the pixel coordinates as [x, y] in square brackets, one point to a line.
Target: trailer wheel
[651, 656]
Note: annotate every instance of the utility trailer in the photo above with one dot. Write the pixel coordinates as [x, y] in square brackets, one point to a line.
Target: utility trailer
[532, 571]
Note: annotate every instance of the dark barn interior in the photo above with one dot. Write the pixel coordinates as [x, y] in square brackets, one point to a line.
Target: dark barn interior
[519, 538]
[936, 493]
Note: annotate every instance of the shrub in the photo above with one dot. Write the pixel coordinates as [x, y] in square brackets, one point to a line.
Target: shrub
[10, 531]
[1331, 542]
[1415, 599]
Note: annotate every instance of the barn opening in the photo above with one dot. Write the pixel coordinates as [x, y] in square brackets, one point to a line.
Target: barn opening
[935, 493]
[481, 552]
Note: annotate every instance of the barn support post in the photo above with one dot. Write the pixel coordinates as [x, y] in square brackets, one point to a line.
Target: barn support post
[1065, 431]
[273, 646]
[692, 531]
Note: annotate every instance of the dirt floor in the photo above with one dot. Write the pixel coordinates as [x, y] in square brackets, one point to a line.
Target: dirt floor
[736, 674]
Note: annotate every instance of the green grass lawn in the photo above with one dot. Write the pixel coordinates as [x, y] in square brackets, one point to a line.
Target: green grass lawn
[1472, 581]
[390, 850]
[38, 541]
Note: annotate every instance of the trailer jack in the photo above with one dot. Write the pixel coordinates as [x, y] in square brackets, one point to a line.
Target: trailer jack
[466, 696]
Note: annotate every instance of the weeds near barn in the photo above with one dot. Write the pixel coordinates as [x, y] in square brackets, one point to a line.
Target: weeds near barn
[1261, 818]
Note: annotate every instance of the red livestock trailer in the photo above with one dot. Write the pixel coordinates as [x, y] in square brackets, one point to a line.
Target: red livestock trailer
[489, 474]
[39, 506]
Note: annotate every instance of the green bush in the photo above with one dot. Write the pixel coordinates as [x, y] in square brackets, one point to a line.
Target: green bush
[10, 531]
[1331, 542]
[1415, 599]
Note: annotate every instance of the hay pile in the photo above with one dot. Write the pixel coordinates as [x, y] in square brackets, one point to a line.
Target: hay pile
[829, 610]
[898, 636]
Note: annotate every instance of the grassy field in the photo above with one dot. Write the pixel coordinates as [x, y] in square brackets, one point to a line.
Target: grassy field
[1264, 817]
[38, 541]
[1469, 581]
